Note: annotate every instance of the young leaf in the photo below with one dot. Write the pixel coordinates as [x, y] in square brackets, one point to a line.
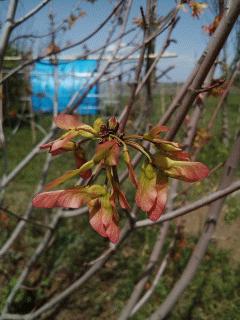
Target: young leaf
[155, 131]
[67, 121]
[81, 160]
[103, 218]
[98, 123]
[95, 217]
[188, 171]
[70, 198]
[109, 152]
[69, 174]
[123, 200]
[60, 145]
[182, 170]
[161, 199]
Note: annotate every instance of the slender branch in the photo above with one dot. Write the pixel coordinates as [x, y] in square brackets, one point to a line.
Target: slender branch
[149, 268]
[195, 117]
[147, 295]
[193, 206]
[67, 47]
[7, 29]
[212, 51]
[30, 13]
[223, 96]
[13, 214]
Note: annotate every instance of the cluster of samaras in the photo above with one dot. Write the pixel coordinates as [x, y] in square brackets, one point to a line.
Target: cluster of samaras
[166, 159]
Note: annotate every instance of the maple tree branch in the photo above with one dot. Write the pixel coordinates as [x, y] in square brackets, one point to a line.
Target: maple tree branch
[15, 215]
[198, 110]
[147, 295]
[223, 97]
[153, 259]
[7, 29]
[214, 47]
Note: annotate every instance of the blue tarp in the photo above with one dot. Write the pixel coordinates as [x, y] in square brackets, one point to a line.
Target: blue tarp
[73, 76]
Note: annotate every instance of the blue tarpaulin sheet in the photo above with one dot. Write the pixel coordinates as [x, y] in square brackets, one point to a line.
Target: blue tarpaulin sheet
[73, 76]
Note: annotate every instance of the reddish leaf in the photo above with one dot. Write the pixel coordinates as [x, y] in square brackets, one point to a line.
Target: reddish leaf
[67, 121]
[60, 145]
[113, 232]
[109, 219]
[123, 200]
[182, 170]
[80, 160]
[70, 198]
[180, 155]
[69, 174]
[109, 152]
[188, 171]
[146, 192]
[175, 154]
[72, 122]
[160, 202]
[158, 129]
[103, 218]
[95, 217]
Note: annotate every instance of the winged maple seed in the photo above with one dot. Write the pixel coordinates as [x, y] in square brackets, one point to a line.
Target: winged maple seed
[167, 161]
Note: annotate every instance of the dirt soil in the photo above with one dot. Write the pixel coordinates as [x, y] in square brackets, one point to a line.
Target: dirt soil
[226, 236]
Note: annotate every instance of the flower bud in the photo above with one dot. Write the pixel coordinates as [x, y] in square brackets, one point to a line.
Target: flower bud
[113, 124]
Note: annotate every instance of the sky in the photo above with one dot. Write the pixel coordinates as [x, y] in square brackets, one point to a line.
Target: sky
[191, 39]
